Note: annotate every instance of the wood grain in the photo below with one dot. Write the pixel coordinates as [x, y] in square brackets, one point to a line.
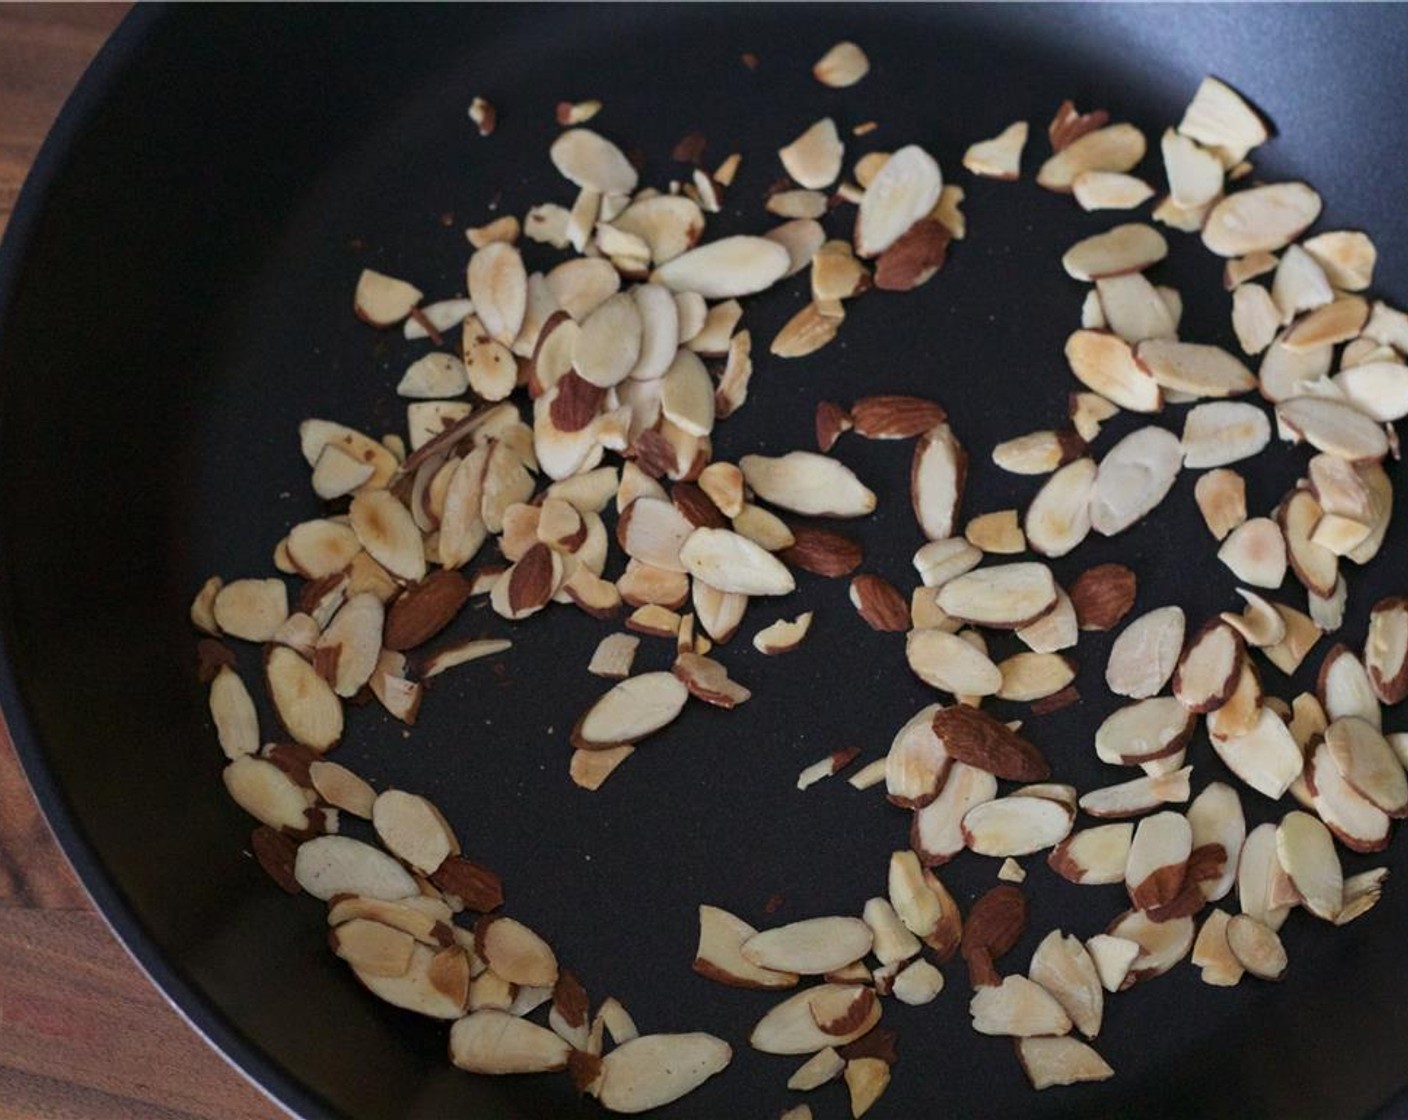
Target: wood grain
[83, 1034]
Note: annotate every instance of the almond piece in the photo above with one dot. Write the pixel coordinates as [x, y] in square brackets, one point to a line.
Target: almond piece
[803, 238]
[1058, 518]
[655, 1069]
[1223, 432]
[894, 416]
[732, 563]
[251, 609]
[1219, 118]
[1116, 147]
[1034, 676]
[905, 190]
[997, 532]
[334, 865]
[592, 162]
[1143, 657]
[1256, 947]
[1267, 218]
[493, 1041]
[1367, 763]
[1345, 688]
[1254, 318]
[807, 483]
[1126, 248]
[725, 269]
[1222, 499]
[937, 827]
[1110, 190]
[1306, 851]
[1094, 855]
[917, 764]
[1347, 256]
[719, 955]
[1161, 944]
[1060, 1061]
[1000, 157]
[1255, 551]
[1017, 1007]
[1214, 955]
[1333, 323]
[383, 301]
[1148, 729]
[1015, 826]
[1039, 452]
[1133, 479]
[1065, 969]
[799, 1024]
[1158, 859]
[995, 924]
[1215, 817]
[1006, 596]
[977, 739]
[305, 703]
[936, 479]
[1138, 796]
[805, 333]
[1357, 822]
[1069, 124]
[1134, 309]
[630, 711]
[879, 604]
[1194, 174]
[810, 947]
[1102, 596]
[947, 662]
[842, 66]
[1386, 649]
[814, 158]
[1106, 363]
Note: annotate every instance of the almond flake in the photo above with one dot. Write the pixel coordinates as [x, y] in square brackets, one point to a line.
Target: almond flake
[1222, 500]
[1056, 630]
[1127, 248]
[1254, 318]
[653, 1070]
[1194, 174]
[493, 1041]
[1116, 147]
[724, 269]
[1152, 728]
[1017, 1007]
[1110, 190]
[802, 237]
[1034, 676]
[1255, 551]
[797, 204]
[1306, 851]
[1094, 855]
[1133, 479]
[1039, 452]
[842, 66]
[1158, 858]
[1347, 256]
[799, 1025]
[1333, 323]
[1060, 1061]
[251, 609]
[1367, 763]
[810, 947]
[1386, 649]
[1143, 657]
[904, 190]
[1015, 826]
[1267, 218]
[338, 865]
[805, 333]
[1058, 518]
[937, 476]
[1106, 363]
[807, 483]
[1134, 309]
[947, 662]
[1007, 596]
[814, 158]
[630, 711]
[1138, 796]
[1000, 157]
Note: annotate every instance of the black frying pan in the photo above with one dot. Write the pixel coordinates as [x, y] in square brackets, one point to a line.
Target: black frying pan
[175, 297]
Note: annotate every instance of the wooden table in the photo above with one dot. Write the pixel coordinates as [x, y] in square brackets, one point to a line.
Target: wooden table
[83, 1033]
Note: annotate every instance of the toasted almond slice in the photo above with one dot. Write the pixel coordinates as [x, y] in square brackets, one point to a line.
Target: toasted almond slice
[1267, 217]
[1143, 657]
[1223, 432]
[1139, 796]
[630, 711]
[435, 984]
[937, 476]
[1106, 364]
[1060, 1061]
[1033, 676]
[653, 1070]
[1015, 826]
[1214, 955]
[1267, 757]
[614, 656]
[338, 865]
[1039, 452]
[493, 1041]
[232, 710]
[724, 269]
[1239, 714]
[823, 1066]
[719, 955]
[607, 347]
[1000, 157]
[807, 483]
[805, 333]
[1325, 326]
[1134, 309]
[1094, 855]
[1256, 947]
[351, 644]
[810, 947]
[947, 662]
[1284, 373]
[1301, 636]
[1018, 1007]
[305, 703]
[797, 204]
[1306, 851]
[413, 830]
[515, 952]
[814, 158]
[997, 532]
[714, 337]
[498, 288]
[1147, 729]
[1056, 630]
[1367, 763]
[1260, 624]
[1133, 478]
[1116, 147]
[937, 832]
[1239, 270]
[1254, 318]
[319, 548]
[842, 66]
[1194, 174]
[1255, 551]
[1205, 371]
[341, 788]
[799, 1024]
[387, 531]
[653, 531]
[589, 769]
[1126, 248]
[1006, 596]
[1222, 499]
[1110, 190]
[904, 190]
[1158, 859]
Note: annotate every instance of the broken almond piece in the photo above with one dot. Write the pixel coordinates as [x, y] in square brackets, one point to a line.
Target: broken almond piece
[1000, 157]
[1017, 1007]
[783, 636]
[719, 955]
[1138, 796]
[977, 739]
[904, 190]
[1255, 551]
[842, 66]
[812, 1020]
[1222, 499]
[814, 158]
[1060, 1060]
[997, 533]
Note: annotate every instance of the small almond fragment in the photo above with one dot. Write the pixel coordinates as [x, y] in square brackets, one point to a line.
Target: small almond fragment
[1000, 157]
[1060, 1060]
[1255, 551]
[842, 66]
[997, 533]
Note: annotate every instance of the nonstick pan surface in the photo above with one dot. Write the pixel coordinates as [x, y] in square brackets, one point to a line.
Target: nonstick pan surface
[175, 296]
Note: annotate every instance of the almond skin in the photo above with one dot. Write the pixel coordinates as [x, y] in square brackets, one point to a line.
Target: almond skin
[883, 607]
[576, 404]
[530, 583]
[996, 922]
[831, 421]
[424, 609]
[914, 258]
[976, 738]
[1103, 595]
[822, 552]
[895, 416]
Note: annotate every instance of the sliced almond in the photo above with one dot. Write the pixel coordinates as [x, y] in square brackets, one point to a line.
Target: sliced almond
[1094, 855]
[1006, 596]
[1056, 630]
[252, 609]
[498, 288]
[1255, 551]
[1116, 147]
[1058, 518]
[1015, 826]
[1062, 965]
[1138, 796]
[1254, 318]
[1205, 371]
[1126, 248]
[1161, 944]
[305, 703]
[937, 831]
[332, 865]
[732, 563]
[810, 947]
[799, 1024]
[1194, 174]
[1033, 676]
[1267, 218]
[1367, 763]
[905, 190]
[937, 476]
[1106, 363]
[950, 664]
[1018, 1007]
[725, 269]
[592, 162]
[493, 1041]
[1060, 1061]
[1306, 851]
[814, 158]
[842, 66]
[1347, 256]
[1147, 729]
[1361, 894]
[653, 1070]
[1357, 822]
[1314, 565]
[719, 955]
[1223, 432]
[1214, 955]
[1110, 190]
[1144, 656]
[630, 711]
[1158, 859]
[1133, 479]
[1000, 157]
[1333, 323]
[1219, 118]
[1345, 688]
[1134, 309]
[1038, 452]
[383, 301]
[1386, 649]
[1266, 757]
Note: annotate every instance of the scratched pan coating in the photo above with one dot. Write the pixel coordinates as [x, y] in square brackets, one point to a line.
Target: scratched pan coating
[175, 297]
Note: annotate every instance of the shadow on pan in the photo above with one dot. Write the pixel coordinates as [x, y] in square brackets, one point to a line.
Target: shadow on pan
[176, 297]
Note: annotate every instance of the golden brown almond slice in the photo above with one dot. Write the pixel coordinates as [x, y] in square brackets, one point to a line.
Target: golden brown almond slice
[1266, 757]
[1158, 860]
[1347, 256]
[233, 712]
[1223, 432]
[1094, 855]
[589, 769]
[340, 787]
[867, 1078]
[1015, 826]
[642, 584]
[937, 476]
[1255, 551]
[348, 650]
[1058, 518]
[725, 269]
[807, 483]
[498, 288]
[813, 159]
[1212, 953]
[1205, 371]
[1219, 118]
[1116, 147]
[1110, 190]
[607, 348]
[950, 664]
[515, 952]
[1254, 318]
[267, 793]
[1222, 499]
[1126, 248]
[1137, 796]
[338, 865]
[799, 1025]
[997, 532]
[321, 547]
[304, 702]
[1145, 654]
[633, 709]
[1060, 1060]
[1106, 363]
[1239, 270]
[1267, 218]
[1034, 676]
[373, 949]
[653, 1070]
[1000, 157]
[842, 66]
[1017, 1007]
[708, 680]
[493, 1041]
[614, 655]
[823, 1066]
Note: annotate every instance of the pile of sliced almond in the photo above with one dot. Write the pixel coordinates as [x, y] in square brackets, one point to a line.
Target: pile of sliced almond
[627, 354]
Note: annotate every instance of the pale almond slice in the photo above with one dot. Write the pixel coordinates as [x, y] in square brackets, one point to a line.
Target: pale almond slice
[383, 301]
[1094, 855]
[1357, 822]
[669, 224]
[814, 158]
[1376, 482]
[1034, 676]
[607, 348]
[1058, 518]
[515, 952]
[1133, 479]
[904, 190]
[723, 483]
[314, 436]
[579, 287]
[1134, 309]
[892, 941]
[805, 333]
[1209, 668]
[1147, 729]
[937, 476]
[397, 694]
[327, 866]
[1284, 373]
[842, 66]
[412, 829]
[1260, 624]
[782, 636]
[1060, 1061]
[233, 712]
[1222, 499]
[1138, 796]
[1378, 389]
[1361, 894]
[592, 162]
[498, 288]
[803, 237]
[1306, 851]
[724, 269]
[1267, 217]
[1194, 174]
[807, 483]
[387, 531]
[1336, 322]
[1056, 630]
[941, 560]
[653, 1070]
[1239, 714]
[1267, 757]
[810, 947]
[1314, 565]
[823, 1066]
[267, 793]
[1257, 947]
[799, 1024]
[1327, 612]
[491, 1040]
[1347, 256]
[1000, 157]
[917, 764]
[714, 337]
[633, 709]
[947, 662]
[1015, 826]
[1255, 551]
[1110, 190]
[349, 648]
[305, 703]
[1017, 1007]
[1301, 636]
[937, 832]
[1063, 966]
[1006, 596]
[1204, 371]
[1345, 688]
[1127, 248]
[1106, 363]
[1158, 859]
[797, 204]
[339, 787]
[1239, 270]
[687, 395]
[614, 656]
[1211, 952]
[1161, 944]
[918, 983]
[1039, 452]
[719, 955]
[252, 609]
[433, 376]
[653, 531]
[1386, 649]
[1113, 957]
[1116, 147]
[1367, 763]
[1223, 432]
[337, 473]
[1145, 654]
[1300, 285]
[320, 547]
[730, 562]
[1219, 118]
[1254, 318]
